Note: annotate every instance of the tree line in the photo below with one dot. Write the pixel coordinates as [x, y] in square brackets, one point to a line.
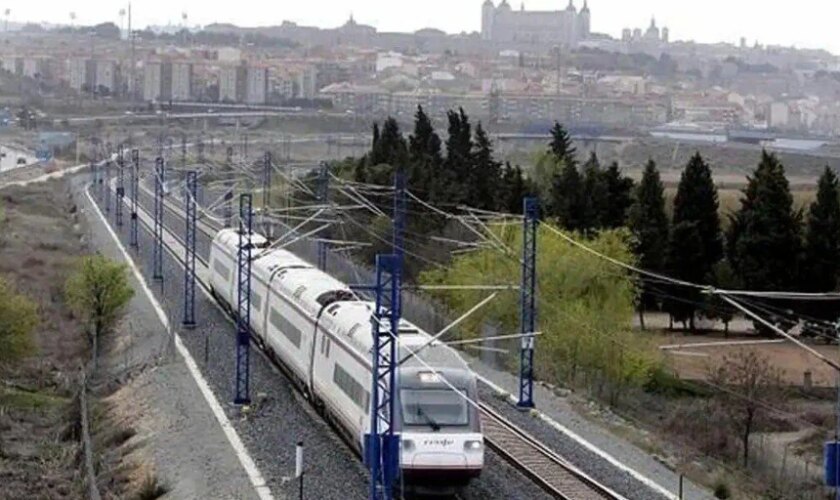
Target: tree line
[767, 244]
[461, 170]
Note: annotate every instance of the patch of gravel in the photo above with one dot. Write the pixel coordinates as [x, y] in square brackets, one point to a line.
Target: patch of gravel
[595, 466]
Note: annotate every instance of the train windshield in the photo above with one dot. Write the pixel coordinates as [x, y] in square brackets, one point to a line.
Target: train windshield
[433, 407]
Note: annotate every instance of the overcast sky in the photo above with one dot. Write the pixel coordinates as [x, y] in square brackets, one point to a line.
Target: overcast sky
[803, 23]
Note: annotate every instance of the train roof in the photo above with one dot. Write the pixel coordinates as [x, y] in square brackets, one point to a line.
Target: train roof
[230, 238]
[353, 320]
[312, 287]
[275, 260]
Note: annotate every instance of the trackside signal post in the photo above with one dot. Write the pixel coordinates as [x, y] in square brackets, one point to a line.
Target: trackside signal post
[528, 308]
[243, 333]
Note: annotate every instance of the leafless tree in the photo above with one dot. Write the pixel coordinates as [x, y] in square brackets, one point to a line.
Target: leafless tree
[749, 386]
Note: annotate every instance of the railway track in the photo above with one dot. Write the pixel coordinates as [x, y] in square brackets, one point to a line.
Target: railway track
[546, 468]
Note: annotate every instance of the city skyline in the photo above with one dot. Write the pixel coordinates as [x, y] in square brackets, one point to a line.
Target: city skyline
[809, 25]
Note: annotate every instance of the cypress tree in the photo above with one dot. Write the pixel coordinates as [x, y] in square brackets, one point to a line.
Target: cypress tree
[822, 240]
[515, 187]
[594, 195]
[649, 224]
[619, 192]
[425, 158]
[764, 238]
[567, 198]
[696, 243]
[486, 173]
[458, 162]
[561, 145]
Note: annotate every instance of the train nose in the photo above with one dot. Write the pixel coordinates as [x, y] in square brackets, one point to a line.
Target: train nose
[439, 460]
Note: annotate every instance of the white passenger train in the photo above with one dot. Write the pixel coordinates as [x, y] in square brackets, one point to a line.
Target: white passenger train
[320, 332]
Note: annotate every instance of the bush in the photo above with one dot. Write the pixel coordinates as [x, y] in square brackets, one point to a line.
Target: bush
[18, 319]
[585, 307]
[722, 490]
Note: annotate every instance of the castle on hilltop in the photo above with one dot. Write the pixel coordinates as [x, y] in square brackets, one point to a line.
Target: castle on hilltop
[565, 27]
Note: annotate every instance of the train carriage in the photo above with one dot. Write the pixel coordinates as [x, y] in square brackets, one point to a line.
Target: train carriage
[320, 331]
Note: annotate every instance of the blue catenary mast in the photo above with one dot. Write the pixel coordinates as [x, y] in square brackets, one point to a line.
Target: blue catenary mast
[189, 257]
[243, 332]
[135, 189]
[528, 311]
[157, 253]
[382, 444]
[118, 207]
[323, 198]
[107, 168]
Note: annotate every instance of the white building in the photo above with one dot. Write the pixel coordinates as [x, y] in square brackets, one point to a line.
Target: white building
[566, 27]
[232, 84]
[153, 82]
[182, 81]
[307, 87]
[778, 115]
[256, 85]
[106, 76]
[81, 74]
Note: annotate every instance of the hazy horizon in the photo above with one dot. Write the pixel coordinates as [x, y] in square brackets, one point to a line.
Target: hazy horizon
[806, 24]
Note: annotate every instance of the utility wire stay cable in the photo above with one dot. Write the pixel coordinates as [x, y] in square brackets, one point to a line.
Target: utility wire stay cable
[452, 325]
[493, 339]
[294, 230]
[781, 332]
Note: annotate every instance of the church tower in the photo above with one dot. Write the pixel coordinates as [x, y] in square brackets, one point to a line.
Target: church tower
[584, 22]
[488, 14]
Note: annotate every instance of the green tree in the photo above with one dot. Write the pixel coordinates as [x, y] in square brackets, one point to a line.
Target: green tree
[822, 238]
[561, 145]
[515, 187]
[722, 277]
[585, 308]
[649, 224]
[486, 173]
[696, 242]
[619, 192]
[567, 199]
[390, 147]
[458, 162]
[18, 319]
[98, 291]
[764, 236]
[594, 194]
[425, 157]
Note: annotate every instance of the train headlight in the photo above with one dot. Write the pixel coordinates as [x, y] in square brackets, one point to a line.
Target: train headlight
[473, 445]
[407, 445]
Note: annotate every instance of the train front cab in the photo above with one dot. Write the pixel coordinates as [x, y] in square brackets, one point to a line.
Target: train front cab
[441, 442]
